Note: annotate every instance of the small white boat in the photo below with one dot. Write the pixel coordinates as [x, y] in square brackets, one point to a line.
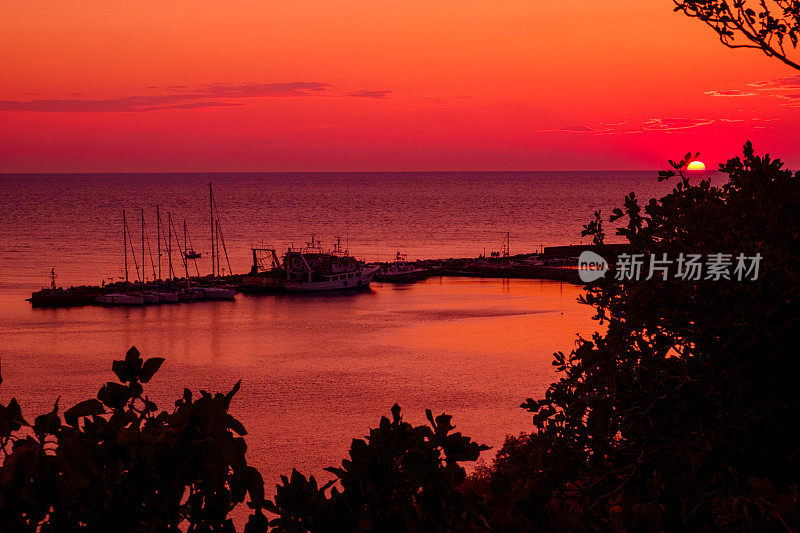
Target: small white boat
[218, 293]
[150, 297]
[191, 294]
[118, 298]
[168, 296]
[401, 271]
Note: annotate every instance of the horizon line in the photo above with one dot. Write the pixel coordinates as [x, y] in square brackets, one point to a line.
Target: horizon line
[9, 172]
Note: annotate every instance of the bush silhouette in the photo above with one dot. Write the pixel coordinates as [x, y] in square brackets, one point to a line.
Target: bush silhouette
[684, 413]
[117, 463]
[401, 478]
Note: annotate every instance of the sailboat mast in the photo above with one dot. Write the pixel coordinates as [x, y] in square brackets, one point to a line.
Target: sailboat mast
[169, 245]
[211, 205]
[158, 236]
[219, 256]
[144, 259]
[185, 244]
[221, 237]
[125, 244]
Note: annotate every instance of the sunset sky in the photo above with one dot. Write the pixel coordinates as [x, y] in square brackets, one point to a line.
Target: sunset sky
[354, 85]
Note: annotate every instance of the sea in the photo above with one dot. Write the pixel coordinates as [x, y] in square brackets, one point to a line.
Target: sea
[320, 370]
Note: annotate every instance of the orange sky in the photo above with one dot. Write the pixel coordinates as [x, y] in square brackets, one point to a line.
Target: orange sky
[365, 85]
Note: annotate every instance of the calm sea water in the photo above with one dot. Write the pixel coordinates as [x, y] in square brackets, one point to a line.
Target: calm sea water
[74, 222]
[317, 370]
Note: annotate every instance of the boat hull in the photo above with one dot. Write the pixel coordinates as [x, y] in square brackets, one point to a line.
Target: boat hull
[168, 297]
[150, 297]
[120, 299]
[191, 295]
[259, 284]
[402, 277]
[360, 282]
[218, 293]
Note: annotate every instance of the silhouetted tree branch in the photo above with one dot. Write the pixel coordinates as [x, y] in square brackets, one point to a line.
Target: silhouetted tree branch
[768, 25]
[678, 415]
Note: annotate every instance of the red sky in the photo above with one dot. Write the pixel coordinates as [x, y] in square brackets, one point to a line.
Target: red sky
[254, 85]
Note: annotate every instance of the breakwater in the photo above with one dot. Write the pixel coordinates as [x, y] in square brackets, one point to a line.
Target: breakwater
[552, 263]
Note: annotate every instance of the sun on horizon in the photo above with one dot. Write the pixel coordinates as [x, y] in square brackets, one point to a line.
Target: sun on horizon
[696, 165]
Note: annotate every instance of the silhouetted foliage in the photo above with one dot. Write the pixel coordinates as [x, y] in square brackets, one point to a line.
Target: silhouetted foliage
[771, 26]
[116, 463]
[401, 478]
[684, 413]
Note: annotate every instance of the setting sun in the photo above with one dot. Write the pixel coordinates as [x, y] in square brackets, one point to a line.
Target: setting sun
[696, 165]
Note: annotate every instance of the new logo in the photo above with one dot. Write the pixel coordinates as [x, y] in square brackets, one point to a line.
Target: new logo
[591, 266]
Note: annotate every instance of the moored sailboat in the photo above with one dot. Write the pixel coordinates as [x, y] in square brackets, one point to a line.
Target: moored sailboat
[120, 298]
[123, 298]
[216, 291]
[167, 296]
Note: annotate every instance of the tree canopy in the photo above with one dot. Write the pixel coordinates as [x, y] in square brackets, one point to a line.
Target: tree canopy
[684, 412]
[772, 26]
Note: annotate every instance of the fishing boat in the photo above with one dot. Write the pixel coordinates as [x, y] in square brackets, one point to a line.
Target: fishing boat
[266, 274]
[401, 271]
[311, 269]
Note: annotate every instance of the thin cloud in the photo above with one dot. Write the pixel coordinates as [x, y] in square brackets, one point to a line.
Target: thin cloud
[575, 128]
[260, 90]
[578, 127]
[87, 105]
[170, 87]
[671, 124]
[773, 87]
[729, 93]
[377, 95]
[788, 82]
[213, 95]
[778, 87]
[653, 125]
[198, 105]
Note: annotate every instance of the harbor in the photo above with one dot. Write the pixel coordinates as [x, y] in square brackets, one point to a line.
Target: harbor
[306, 269]
[334, 270]
[170, 268]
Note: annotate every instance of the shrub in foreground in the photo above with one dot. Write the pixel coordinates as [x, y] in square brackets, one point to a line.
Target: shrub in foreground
[684, 413]
[118, 463]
